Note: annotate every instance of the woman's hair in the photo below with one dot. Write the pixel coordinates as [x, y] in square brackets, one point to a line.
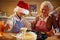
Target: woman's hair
[48, 3]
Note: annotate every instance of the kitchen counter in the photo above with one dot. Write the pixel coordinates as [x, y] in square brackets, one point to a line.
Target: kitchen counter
[53, 38]
[7, 36]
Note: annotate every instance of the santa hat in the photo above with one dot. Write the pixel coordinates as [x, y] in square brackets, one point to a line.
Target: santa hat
[22, 7]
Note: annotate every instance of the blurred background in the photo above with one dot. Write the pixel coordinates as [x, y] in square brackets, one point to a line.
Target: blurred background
[7, 6]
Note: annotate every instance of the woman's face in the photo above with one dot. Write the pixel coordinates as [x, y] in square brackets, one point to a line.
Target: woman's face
[45, 10]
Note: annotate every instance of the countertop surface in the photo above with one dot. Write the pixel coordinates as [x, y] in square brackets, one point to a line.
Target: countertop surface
[7, 36]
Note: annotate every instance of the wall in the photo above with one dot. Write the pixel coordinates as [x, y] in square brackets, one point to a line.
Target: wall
[9, 5]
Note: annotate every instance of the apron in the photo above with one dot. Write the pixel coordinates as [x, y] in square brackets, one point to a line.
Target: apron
[41, 26]
[17, 26]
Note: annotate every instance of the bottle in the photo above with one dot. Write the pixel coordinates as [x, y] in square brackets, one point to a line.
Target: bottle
[1, 28]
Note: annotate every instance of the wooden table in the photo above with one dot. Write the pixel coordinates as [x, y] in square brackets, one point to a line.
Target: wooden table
[8, 36]
[53, 38]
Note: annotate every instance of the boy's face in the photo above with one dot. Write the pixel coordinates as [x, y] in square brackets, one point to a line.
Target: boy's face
[20, 14]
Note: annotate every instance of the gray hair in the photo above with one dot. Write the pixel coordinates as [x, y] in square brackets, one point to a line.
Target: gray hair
[48, 3]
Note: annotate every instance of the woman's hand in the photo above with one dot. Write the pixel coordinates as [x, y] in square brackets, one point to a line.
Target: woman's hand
[50, 33]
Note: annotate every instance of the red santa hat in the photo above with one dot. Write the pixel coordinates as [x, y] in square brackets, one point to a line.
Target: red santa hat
[22, 7]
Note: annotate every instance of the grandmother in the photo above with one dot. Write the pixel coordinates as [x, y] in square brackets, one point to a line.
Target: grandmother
[44, 21]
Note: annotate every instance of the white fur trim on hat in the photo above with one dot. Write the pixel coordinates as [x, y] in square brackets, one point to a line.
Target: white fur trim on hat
[19, 9]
